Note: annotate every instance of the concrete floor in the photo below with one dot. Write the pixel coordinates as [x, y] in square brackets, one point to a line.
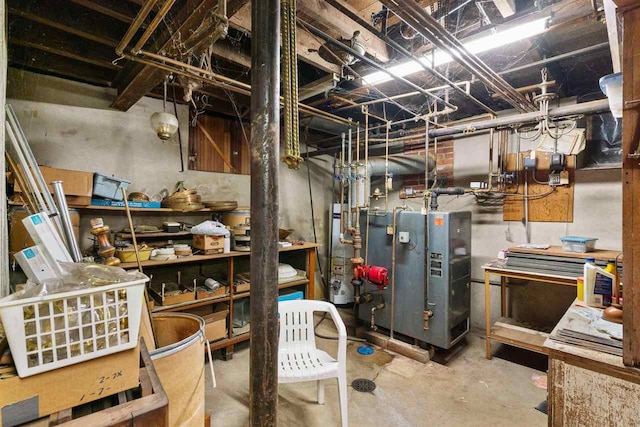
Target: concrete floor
[468, 391]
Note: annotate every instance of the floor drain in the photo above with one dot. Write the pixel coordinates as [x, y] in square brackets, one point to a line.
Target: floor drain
[363, 385]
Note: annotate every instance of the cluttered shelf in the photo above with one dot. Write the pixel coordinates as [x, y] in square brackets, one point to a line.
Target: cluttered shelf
[199, 258]
[220, 298]
[281, 286]
[132, 209]
[191, 304]
[153, 210]
[142, 236]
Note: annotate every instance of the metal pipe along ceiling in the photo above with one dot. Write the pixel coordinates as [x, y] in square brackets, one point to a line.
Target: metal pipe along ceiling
[425, 25]
[318, 33]
[404, 52]
[584, 108]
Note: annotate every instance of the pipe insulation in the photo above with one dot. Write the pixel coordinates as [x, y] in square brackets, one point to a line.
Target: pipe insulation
[399, 165]
[518, 119]
[512, 120]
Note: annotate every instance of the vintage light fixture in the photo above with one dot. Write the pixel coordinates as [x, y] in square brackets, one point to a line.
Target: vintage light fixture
[164, 124]
[479, 45]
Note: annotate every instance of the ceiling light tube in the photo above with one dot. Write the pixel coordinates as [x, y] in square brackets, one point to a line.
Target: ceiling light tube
[476, 46]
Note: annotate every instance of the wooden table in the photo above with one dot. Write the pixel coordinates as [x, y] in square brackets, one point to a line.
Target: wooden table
[502, 331]
[588, 387]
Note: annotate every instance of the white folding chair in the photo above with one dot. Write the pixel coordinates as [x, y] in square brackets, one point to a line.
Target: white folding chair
[298, 358]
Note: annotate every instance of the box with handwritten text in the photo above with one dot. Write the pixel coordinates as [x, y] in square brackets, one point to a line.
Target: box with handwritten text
[26, 399]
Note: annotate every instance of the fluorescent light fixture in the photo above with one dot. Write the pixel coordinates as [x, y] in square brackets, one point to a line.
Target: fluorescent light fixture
[479, 45]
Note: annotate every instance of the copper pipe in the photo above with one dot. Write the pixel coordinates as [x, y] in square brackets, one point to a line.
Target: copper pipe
[135, 25]
[216, 80]
[153, 25]
[234, 83]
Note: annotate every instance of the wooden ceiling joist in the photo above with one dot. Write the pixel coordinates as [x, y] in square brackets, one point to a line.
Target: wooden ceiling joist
[68, 17]
[41, 61]
[117, 9]
[58, 42]
[144, 81]
[327, 17]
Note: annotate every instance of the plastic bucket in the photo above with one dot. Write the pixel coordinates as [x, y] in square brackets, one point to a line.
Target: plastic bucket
[179, 362]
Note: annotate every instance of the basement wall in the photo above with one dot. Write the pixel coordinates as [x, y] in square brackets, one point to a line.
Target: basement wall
[69, 125]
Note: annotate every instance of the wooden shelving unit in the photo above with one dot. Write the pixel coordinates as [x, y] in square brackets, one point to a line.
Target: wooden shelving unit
[227, 344]
[143, 236]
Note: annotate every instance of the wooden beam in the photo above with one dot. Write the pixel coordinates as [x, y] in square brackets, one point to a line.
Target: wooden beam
[307, 45]
[631, 187]
[67, 17]
[58, 42]
[392, 19]
[148, 77]
[322, 14]
[223, 50]
[47, 63]
[122, 11]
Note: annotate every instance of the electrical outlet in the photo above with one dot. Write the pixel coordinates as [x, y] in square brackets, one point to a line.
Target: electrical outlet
[554, 179]
[403, 237]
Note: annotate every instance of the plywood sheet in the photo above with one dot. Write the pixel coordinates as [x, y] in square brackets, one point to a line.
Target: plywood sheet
[557, 206]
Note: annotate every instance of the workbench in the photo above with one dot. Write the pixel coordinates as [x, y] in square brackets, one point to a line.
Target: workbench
[589, 387]
[504, 330]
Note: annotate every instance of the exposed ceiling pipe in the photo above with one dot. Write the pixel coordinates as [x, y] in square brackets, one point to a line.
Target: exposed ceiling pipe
[404, 52]
[557, 113]
[318, 33]
[556, 58]
[585, 108]
[412, 14]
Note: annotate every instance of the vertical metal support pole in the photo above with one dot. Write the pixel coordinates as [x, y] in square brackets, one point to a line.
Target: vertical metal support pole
[265, 150]
[65, 219]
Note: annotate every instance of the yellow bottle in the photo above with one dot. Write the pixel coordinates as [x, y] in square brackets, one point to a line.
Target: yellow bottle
[611, 267]
[581, 289]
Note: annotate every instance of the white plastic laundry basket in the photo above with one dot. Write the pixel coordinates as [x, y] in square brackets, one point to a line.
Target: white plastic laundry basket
[52, 331]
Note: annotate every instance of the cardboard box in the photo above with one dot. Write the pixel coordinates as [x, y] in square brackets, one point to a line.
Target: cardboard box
[209, 244]
[26, 399]
[76, 183]
[19, 238]
[215, 327]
